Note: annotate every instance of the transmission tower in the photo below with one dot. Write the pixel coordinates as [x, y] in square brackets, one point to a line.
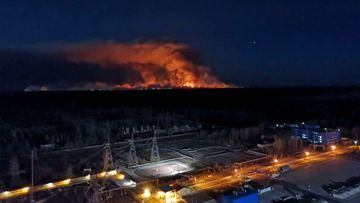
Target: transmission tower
[95, 197]
[97, 192]
[155, 156]
[132, 158]
[107, 157]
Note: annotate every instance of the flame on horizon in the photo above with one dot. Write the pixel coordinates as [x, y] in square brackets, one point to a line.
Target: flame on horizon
[156, 64]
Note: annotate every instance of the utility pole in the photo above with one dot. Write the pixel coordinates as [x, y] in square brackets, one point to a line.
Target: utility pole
[32, 177]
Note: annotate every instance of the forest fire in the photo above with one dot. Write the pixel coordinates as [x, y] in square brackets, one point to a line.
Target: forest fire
[147, 65]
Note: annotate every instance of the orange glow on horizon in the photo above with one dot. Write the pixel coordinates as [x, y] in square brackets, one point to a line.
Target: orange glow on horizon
[151, 65]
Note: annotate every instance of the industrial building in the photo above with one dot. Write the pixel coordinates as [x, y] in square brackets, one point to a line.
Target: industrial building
[315, 134]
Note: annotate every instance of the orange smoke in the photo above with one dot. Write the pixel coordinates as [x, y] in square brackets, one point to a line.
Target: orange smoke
[156, 64]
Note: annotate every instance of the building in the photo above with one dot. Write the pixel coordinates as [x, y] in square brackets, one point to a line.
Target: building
[316, 135]
[242, 196]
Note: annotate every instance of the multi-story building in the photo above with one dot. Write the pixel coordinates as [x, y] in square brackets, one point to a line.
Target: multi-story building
[316, 135]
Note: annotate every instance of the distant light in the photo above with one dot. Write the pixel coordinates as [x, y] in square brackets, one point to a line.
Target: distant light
[113, 172]
[333, 147]
[276, 160]
[235, 170]
[130, 183]
[355, 142]
[303, 123]
[87, 177]
[307, 153]
[5, 193]
[103, 174]
[119, 176]
[25, 189]
[66, 182]
[50, 185]
[161, 194]
[146, 193]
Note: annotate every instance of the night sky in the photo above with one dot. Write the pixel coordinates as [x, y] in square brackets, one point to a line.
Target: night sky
[246, 43]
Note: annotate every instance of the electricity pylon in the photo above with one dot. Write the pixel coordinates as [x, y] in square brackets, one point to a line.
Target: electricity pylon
[108, 164]
[155, 156]
[132, 157]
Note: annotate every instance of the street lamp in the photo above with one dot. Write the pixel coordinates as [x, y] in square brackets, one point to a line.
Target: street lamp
[146, 193]
[333, 147]
[276, 160]
[307, 154]
[50, 185]
[25, 189]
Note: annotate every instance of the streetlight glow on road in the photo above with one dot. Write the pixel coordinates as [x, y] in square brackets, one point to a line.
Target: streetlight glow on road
[66, 182]
[25, 189]
[276, 160]
[333, 147]
[307, 153]
[113, 172]
[119, 176]
[50, 185]
[5, 193]
[103, 174]
[146, 193]
[161, 194]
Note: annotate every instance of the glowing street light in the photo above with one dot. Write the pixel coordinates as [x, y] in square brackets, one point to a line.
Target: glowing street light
[119, 176]
[112, 173]
[66, 182]
[161, 194]
[333, 147]
[307, 154]
[25, 189]
[276, 160]
[146, 193]
[355, 142]
[5, 193]
[50, 185]
[103, 174]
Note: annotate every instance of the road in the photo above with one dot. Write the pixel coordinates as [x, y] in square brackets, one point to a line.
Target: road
[234, 174]
[59, 184]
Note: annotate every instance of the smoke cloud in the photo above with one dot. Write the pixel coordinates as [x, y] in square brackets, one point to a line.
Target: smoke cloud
[107, 66]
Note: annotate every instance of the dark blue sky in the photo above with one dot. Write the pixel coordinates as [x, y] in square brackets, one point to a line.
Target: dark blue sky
[248, 43]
